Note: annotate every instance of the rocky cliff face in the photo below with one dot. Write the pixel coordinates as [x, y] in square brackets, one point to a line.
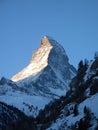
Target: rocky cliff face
[38, 61]
[50, 53]
[49, 67]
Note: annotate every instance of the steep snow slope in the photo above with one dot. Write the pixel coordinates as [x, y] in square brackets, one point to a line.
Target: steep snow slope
[24, 100]
[29, 104]
[65, 122]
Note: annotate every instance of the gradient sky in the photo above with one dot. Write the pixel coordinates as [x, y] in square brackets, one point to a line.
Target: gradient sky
[73, 23]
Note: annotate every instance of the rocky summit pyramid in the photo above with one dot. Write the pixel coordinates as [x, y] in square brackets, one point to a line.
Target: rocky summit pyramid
[52, 54]
[49, 67]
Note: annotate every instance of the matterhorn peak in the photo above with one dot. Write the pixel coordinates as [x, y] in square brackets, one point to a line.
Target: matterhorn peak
[45, 41]
[38, 61]
[50, 53]
[42, 52]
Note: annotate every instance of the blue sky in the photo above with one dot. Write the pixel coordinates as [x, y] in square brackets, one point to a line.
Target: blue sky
[73, 23]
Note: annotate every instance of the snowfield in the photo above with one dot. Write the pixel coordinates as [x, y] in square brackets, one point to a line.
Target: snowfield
[29, 104]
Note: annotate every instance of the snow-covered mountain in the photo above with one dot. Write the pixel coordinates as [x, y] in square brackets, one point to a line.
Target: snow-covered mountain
[48, 70]
[46, 78]
[49, 95]
[52, 55]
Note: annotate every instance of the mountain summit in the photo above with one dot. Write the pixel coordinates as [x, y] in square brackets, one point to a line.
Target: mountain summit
[38, 61]
[50, 53]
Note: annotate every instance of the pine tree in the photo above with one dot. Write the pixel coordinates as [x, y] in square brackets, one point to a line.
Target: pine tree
[85, 110]
[75, 111]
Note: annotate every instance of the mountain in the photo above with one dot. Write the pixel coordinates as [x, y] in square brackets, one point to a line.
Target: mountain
[45, 79]
[49, 69]
[51, 55]
[49, 94]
